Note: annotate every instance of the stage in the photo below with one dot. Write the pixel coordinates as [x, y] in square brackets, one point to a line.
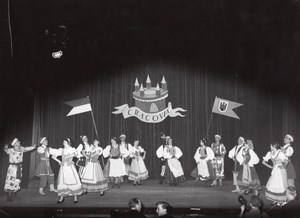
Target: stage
[188, 197]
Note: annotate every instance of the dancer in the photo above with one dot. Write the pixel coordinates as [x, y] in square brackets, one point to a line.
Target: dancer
[43, 169]
[115, 163]
[160, 155]
[218, 162]
[14, 172]
[203, 156]
[174, 171]
[288, 151]
[137, 170]
[232, 155]
[86, 147]
[127, 146]
[68, 180]
[247, 178]
[277, 183]
[92, 177]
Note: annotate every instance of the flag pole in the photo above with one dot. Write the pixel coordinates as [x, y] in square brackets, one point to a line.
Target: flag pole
[206, 135]
[93, 120]
[102, 160]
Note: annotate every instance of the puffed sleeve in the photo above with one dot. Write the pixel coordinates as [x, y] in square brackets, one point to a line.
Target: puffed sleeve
[131, 151]
[129, 146]
[178, 153]
[210, 154]
[197, 155]
[141, 149]
[40, 150]
[58, 152]
[106, 151]
[160, 152]
[52, 151]
[267, 157]
[74, 151]
[124, 151]
[254, 159]
[239, 157]
[79, 150]
[231, 153]
[289, 152]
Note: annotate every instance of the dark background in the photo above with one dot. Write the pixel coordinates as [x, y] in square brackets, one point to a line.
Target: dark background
[244, 51]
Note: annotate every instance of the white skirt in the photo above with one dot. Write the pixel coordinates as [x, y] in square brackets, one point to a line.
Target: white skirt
[175, 167]
[203, 169]
[68, 183]
[138, 170]
[117, 168]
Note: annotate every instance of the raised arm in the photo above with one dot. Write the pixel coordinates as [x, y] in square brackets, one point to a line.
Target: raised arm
[30, 148]
[7, 151]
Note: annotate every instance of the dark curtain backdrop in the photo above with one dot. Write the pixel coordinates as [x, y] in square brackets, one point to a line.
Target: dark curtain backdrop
[16, 121]
[265, 117]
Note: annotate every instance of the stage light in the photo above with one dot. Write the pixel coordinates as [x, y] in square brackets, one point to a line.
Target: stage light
[57, 54]
[57, 38]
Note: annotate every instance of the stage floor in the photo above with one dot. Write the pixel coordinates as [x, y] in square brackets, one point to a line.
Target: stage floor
[189, 194]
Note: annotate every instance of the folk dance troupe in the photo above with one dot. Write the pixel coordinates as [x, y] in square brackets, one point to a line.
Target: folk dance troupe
[126, 161]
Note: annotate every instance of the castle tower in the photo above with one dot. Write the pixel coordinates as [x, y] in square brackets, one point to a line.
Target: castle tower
[136, 85]
[148, 82]
[157, 89]
[142, 90]
[164, 84]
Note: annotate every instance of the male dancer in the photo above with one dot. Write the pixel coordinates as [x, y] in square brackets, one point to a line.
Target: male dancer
[43, 169]
[288, 150]
[128, 147]
[232, 155]
[160, 155]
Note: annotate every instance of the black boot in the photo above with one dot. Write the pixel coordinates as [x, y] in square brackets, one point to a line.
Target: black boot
[9, 196]
[161, 180]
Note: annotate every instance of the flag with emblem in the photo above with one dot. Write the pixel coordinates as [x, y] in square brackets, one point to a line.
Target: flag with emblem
[81, 105]
[225, 107]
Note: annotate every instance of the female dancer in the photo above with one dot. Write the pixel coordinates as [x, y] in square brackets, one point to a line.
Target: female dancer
[218, 162]
[68, 183]
[247, 179]
[14, 172]
[174, 171]
[92, 177]
[115, 164]
[81, 158]
[277, 183]
[203, 156]
[137, 170]
[288, 150]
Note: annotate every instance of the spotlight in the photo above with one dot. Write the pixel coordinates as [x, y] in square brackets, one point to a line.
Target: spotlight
[57, 38]
[57, 54]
